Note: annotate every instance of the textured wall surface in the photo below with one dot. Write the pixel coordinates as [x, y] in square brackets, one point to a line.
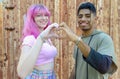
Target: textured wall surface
[11, 23]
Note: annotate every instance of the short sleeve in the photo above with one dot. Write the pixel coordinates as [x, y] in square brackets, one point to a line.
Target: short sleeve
[28, 40]
[107, 48]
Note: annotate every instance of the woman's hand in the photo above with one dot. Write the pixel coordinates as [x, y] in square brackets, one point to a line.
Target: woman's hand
[49, 32]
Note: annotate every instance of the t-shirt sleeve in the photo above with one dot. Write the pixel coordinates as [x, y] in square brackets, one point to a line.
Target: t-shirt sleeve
[28, 40]
[106, 47]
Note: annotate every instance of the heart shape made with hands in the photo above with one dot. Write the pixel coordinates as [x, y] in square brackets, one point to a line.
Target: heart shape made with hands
[50, 31]
[56, 32]
[56, 25]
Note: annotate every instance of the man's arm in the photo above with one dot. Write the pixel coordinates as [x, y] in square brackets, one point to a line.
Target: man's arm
[98, 61]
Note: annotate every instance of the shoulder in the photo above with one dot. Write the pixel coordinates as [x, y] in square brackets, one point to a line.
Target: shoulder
[102, 39]
[103, 36]
[29, 40]
[30, 37]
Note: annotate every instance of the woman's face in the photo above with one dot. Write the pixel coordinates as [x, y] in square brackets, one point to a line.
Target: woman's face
[41, 20]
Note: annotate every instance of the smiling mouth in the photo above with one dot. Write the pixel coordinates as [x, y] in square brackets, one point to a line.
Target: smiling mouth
[43, 22]
[83, 24]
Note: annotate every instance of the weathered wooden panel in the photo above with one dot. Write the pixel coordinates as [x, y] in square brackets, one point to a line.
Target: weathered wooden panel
[1, 53]
[11, 23]
[114, 29]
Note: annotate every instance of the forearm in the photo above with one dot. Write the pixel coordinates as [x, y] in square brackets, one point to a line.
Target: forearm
[84, 48]
[100, 62]
[27, 60]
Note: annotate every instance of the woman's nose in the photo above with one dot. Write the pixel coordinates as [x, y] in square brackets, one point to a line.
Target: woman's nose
[44, 17]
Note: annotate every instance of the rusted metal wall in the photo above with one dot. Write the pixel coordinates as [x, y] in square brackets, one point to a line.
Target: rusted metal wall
[11, 23]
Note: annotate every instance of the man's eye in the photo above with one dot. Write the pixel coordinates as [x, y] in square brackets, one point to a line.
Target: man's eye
[80, 16]
[88, 16]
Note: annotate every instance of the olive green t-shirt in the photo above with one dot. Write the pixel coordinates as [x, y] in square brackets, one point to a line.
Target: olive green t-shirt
[100, 42]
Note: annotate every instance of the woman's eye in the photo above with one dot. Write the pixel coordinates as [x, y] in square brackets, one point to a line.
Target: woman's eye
[46, 15]
[38, 15]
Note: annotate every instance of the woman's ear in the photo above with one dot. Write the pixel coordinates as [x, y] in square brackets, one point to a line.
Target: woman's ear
[24, 17]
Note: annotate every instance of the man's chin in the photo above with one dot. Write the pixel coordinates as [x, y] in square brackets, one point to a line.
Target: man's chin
[85, 29]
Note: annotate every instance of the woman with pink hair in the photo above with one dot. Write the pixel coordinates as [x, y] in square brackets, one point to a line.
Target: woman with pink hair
[37, 51]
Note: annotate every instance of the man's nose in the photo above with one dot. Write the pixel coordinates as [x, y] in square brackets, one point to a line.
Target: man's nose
[83, 18]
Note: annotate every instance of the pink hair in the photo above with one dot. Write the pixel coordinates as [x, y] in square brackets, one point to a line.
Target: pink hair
[30, 27]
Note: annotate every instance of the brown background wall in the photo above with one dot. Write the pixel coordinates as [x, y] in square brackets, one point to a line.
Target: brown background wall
[11, 22]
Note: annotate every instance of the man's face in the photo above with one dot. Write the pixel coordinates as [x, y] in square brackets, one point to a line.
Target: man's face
[86, 19]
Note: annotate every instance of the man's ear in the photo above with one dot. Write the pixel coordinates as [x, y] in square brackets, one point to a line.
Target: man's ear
[77, 25]
[96, 18]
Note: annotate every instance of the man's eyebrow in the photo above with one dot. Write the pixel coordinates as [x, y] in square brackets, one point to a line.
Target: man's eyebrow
[87, 14]
[79, 14]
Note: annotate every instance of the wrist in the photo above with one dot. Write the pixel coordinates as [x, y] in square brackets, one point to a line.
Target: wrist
[78, 41]
[41, 38]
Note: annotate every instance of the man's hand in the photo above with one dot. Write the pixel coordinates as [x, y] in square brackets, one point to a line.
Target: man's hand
[70, 34]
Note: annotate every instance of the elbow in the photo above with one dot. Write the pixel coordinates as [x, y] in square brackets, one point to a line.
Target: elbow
[110, 69]
[103, 71]
[21, 73]
[106, 67]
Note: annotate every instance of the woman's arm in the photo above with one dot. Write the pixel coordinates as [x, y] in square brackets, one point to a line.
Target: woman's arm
[29, 54]
[28, 58]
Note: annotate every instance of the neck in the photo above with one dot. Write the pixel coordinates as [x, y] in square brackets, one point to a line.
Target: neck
[87, 33]
[41, 29]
